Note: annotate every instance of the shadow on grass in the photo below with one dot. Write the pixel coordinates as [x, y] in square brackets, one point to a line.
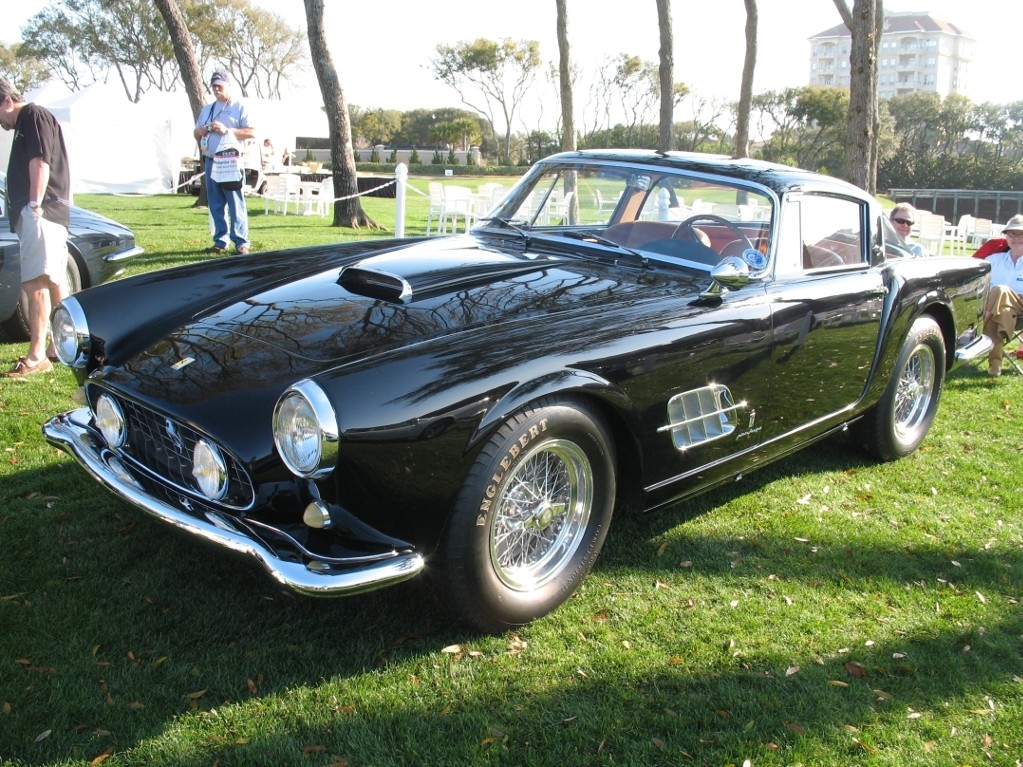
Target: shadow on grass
[150, 623]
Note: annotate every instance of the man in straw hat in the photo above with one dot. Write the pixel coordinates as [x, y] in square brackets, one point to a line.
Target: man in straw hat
[1005, 299]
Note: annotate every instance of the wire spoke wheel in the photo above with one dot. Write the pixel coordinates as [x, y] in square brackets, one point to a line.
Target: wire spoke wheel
[531, 517]
[915, 389]
[541, 515]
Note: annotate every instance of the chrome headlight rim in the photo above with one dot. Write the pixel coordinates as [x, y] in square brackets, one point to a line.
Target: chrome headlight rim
[315, 400]
[108, 416]
[208, 463]
[70, 331]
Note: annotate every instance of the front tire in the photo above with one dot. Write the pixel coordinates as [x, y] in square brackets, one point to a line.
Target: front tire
[531, 517]
[16, 326]
[897, 425]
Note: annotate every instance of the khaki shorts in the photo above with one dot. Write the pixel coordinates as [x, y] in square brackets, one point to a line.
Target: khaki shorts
[43, 247]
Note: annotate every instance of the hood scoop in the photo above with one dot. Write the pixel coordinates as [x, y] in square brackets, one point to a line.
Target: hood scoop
[375, 284]
[404, 282]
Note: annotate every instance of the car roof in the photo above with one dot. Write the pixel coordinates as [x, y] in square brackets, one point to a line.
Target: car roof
[772, 175]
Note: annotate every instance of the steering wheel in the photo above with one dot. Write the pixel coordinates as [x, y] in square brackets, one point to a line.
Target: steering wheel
[688, 227]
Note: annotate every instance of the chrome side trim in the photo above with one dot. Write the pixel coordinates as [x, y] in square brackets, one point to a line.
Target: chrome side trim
[70, 432]
[979, 346]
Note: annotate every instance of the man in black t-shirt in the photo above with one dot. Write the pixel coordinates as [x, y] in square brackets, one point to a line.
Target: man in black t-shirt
[38, 207]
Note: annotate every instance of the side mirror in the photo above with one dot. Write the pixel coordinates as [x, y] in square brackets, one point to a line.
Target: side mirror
[731, 273]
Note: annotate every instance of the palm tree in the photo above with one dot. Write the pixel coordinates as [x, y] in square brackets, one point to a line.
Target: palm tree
[348, 208]
[666, 76]
[865, 22]
[568, 140]
[184, 53]
[749, 64]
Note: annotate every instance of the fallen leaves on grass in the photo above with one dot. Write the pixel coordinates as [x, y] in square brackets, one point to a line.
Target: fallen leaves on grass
[855, 669]
[100, 758]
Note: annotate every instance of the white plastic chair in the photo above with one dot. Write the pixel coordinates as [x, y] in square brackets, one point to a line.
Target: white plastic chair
[983, 230]
[932, 233]
[325, 197]
[457, 205]
[280, 190]
[436, 192]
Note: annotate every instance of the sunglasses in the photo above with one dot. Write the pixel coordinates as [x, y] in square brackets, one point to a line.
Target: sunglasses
[905, 221]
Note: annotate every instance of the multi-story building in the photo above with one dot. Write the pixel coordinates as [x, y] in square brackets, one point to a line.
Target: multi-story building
[920, 53]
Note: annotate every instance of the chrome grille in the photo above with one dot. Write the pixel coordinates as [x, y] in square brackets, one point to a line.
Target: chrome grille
[163, 447]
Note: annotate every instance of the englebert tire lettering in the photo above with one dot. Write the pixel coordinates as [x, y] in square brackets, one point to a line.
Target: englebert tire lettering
[513, 452]
[531, 517]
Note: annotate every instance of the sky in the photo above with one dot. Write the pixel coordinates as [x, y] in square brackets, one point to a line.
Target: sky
[383, 49]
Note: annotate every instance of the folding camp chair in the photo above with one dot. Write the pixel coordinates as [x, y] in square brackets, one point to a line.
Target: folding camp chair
[1014, 356]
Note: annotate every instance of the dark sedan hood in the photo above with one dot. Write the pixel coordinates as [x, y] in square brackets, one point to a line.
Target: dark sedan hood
[410, 295]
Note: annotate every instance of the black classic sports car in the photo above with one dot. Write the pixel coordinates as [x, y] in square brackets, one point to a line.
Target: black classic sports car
[97, 248]
[622, 324]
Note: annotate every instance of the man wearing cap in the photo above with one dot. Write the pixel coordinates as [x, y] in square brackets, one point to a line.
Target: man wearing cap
[38, 209]
[226, 115]
[1005, 298]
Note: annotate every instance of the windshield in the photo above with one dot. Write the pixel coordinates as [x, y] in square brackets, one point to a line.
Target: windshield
[665, 214]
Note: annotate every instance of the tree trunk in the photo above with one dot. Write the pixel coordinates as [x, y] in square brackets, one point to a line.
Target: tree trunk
[191, 76]
[666, 77]
[749, 65]
[347, 211]
[865, 22]
[568, 138]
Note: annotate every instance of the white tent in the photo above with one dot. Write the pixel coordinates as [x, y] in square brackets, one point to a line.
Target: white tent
[117, 146]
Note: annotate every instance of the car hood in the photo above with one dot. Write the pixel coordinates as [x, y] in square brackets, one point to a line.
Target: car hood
[82, 221]
[243, 353]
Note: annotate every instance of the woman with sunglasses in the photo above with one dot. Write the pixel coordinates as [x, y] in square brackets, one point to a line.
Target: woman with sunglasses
[903, 216]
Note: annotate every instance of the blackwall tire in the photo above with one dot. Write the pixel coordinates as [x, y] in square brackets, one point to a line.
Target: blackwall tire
[531, 517]
[899, 422]
[16, 326]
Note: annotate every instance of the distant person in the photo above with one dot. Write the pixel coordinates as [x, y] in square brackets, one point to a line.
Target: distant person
[38, 209]
[1005, 297]
[903, 217]
[266, 154]
[225, 118]
[286, 157]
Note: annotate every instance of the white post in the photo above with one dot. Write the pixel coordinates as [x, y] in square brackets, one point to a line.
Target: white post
[400, 176]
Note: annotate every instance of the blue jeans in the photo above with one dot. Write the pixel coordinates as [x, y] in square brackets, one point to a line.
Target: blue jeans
[224, 204]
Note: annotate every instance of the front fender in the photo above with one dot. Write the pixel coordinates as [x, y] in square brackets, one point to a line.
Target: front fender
[561, 382]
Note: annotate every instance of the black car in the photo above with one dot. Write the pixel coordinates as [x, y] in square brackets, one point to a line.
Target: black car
[622, 324]
[97, 248]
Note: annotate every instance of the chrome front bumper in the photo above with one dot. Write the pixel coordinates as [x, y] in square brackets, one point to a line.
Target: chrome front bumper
[70, 432]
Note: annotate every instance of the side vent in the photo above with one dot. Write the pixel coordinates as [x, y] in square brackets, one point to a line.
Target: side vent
[374, 284]
[701, 415]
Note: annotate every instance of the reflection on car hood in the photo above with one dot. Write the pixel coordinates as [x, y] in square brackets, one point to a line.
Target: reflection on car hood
[314, 323]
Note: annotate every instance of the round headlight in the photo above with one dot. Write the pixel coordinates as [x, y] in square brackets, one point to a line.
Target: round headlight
[110, 421]
[70, 333]
[210, 470]
[305, 430]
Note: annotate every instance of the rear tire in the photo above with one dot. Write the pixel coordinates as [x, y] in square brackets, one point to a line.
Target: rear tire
[897, 425]
[531, 517]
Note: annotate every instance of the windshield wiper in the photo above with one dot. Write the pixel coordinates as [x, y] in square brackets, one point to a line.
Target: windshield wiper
[601, 240]
[511, 225]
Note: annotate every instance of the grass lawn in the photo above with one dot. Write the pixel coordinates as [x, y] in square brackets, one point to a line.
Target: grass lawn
[826, 610]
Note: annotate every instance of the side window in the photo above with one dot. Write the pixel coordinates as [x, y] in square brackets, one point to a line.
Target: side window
[790, 242]
[831, 232]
